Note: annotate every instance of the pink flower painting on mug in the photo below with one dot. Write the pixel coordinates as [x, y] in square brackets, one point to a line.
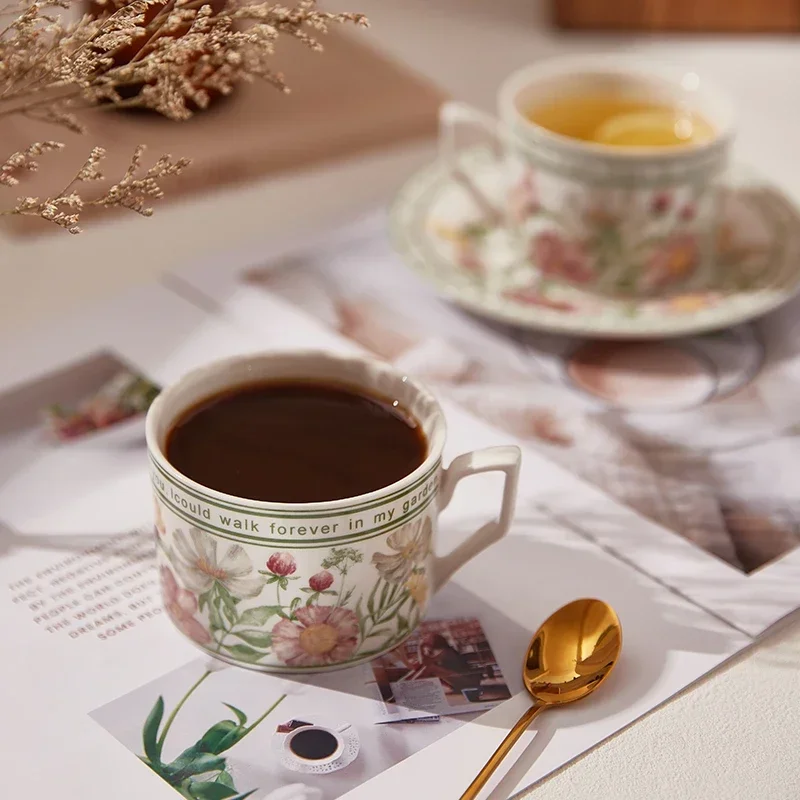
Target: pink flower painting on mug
[321, 581]
[281, 564]
[181, 605]
[317, 636]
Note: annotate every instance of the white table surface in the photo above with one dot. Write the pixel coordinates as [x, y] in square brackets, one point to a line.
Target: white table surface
[734, 735]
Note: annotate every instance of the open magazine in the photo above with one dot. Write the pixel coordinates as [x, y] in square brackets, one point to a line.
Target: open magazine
[146, 716]
[686, 433]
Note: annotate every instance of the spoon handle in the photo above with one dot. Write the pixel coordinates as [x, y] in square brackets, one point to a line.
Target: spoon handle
[502, 751]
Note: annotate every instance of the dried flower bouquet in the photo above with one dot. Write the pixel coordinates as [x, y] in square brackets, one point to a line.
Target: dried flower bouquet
[178, 54]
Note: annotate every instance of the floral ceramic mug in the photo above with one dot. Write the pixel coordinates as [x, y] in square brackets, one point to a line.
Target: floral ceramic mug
[298, 587]
[624, 221]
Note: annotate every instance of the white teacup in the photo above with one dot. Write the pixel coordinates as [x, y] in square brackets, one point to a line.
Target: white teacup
[299, 587]
[628, 221]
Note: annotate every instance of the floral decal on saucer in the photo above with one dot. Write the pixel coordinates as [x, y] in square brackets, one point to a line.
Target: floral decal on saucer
[570, 271]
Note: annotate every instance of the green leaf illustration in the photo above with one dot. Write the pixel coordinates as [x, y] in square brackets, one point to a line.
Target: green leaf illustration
[360, 616]
[218, 738]
[192, 762]
[210, 790]
[384, 595]
[230, 613]
[162, 770]
[224, 594]
[402, 622]
[294, 604]
[371, 598]
[256, 638]
[284, 583]
[307, 589]
[152, 749]
[244, 795]
[226, 778]
[258, 615]
[240, 715]
[214, 617]
[244, 652]
[202, 601]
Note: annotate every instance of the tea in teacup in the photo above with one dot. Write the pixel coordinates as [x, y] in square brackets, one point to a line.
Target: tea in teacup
[617, 120]
[615, 169]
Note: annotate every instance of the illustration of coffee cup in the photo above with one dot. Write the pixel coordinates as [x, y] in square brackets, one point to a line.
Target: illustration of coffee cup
[316, 744]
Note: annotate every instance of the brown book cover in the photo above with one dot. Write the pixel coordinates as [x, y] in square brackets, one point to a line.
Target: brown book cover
[346, 100]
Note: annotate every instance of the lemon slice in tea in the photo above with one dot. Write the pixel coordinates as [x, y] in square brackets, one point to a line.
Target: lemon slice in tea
[654, 128]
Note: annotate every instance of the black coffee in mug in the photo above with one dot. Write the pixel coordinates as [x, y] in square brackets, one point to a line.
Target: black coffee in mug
[314, 744]
[296, 442]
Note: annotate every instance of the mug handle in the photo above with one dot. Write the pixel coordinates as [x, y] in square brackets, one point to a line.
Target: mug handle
[452, 116]
[505, 459]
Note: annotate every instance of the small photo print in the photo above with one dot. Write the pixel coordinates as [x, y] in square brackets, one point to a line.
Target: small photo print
[214, 732]
[99, 393]
[72, 429]
[445, 667]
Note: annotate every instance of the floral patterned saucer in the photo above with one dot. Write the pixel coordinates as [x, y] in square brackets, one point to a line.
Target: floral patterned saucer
[441, 227]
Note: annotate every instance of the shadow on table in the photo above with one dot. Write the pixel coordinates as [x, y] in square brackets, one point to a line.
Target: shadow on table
[655, 623]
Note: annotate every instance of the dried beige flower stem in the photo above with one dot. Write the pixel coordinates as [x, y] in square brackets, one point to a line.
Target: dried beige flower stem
[132, 191]
[178, 57]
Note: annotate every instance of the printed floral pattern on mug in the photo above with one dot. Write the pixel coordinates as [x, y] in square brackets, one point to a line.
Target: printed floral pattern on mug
[216, 594]
[411, 545]
[200, 567]
[316, 636]
[181, 605]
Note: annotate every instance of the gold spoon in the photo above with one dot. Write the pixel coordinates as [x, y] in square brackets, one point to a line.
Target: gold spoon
[569, 657]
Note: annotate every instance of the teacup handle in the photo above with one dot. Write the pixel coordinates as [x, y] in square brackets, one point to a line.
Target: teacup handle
[453, 115]
[505, 459]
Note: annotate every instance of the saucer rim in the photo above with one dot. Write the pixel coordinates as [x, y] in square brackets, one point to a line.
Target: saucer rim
[663, 327]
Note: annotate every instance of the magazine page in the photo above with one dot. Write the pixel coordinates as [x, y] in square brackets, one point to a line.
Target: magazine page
[132, 709]
[688, 447]
[86, 603]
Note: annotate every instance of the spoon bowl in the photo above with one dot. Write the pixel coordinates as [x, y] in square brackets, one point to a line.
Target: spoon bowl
[571, 654]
